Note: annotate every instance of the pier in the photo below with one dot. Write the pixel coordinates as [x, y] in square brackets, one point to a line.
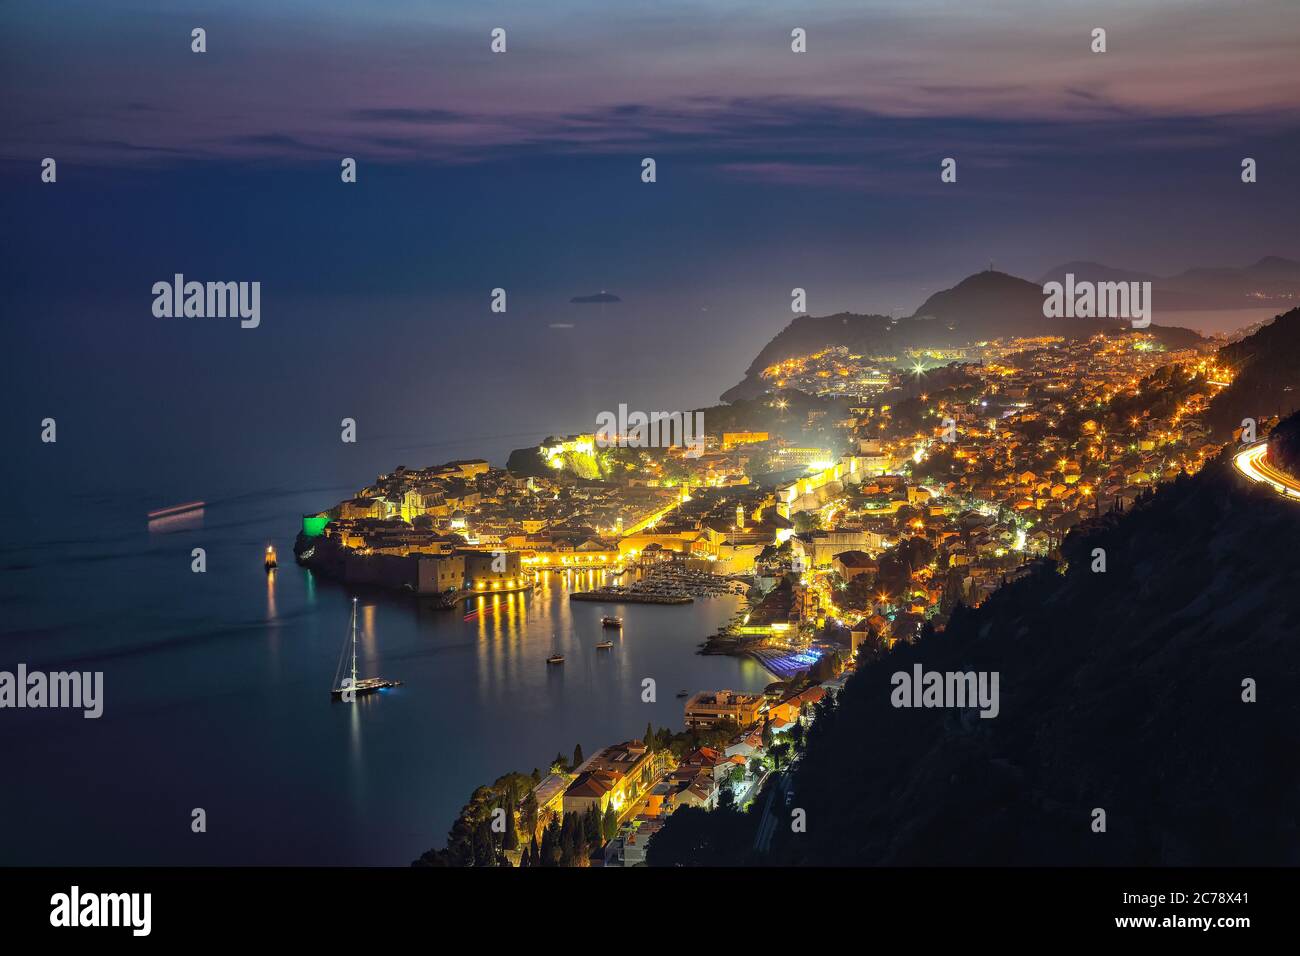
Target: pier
[631, 597]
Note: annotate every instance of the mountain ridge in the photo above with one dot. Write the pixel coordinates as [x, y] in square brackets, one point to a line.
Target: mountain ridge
[1271, 281]
[983, 305]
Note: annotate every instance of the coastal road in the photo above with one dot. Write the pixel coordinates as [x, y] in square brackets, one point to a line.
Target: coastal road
[1251, 462]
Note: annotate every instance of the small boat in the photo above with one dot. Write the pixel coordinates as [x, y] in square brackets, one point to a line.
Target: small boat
[683, 693]
[555, 659]
[270, 563]
[604, 645]
[343, 686]
[176, 510]
[611, 622]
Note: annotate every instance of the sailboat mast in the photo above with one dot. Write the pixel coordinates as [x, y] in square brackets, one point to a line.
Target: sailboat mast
[354, 643]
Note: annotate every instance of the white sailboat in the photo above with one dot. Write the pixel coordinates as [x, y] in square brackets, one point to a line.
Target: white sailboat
[345, 684]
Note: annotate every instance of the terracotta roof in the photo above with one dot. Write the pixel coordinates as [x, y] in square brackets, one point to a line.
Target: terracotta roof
[811, 695]
[594, 783]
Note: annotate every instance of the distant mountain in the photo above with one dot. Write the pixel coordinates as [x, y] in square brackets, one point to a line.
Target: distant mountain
[1095, 272]
[806, 334]
[1276, 265]
[992, 304]
[1270, 282]
[1120, 691]
[982, 306]
[595, 297]
[1266, 376]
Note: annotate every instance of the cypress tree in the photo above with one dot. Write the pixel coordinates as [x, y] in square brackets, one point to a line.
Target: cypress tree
[566, 841]
[512, 834]
[528, 815]
[484, 850]
[581, 848]
[577, 756]
[550, 852]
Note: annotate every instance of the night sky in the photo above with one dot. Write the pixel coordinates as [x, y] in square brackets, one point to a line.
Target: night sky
[522, 170]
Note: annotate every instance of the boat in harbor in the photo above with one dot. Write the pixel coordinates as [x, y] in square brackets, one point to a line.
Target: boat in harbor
[556, 657]
[683, 693]
[611, 622]
[604, 645]
[270, 563]
[344, 684]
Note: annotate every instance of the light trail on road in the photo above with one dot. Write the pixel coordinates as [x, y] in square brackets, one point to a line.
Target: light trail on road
[1251, 463]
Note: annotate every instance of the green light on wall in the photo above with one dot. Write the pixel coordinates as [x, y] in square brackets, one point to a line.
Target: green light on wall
[314, 525]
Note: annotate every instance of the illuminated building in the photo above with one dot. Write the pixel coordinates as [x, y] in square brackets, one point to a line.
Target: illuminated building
[853, 564]
[799, 457]
[488, 571]
[314, 525]
[436, 574]
[732, 439]
[574, 444]
[710, 708]
[615, 777]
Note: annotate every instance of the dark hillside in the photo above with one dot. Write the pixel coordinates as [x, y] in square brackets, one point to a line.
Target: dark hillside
[1119, 690]
[1266, 376]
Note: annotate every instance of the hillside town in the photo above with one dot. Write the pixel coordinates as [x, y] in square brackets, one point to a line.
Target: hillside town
[857, 504]
[910, 501]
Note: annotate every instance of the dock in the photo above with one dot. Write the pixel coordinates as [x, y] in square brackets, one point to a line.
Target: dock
[620, 597]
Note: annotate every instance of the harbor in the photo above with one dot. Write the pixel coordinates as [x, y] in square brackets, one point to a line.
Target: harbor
[357, 784]
[667, 583]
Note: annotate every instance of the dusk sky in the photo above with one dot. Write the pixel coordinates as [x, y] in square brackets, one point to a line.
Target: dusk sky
[522, 170]
[526, 163]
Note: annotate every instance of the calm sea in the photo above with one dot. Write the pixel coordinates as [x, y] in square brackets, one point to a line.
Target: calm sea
[216, 695]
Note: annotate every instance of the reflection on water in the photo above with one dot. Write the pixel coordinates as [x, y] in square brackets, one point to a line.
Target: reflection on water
[270, 595]
[354, 729]
[1212, 321]
[218, 685]
[366, 638]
